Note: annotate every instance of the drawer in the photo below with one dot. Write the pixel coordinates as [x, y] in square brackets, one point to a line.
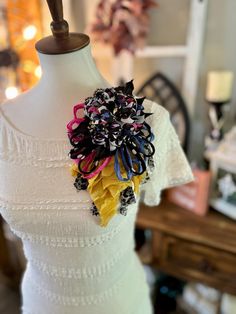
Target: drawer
[189, 260]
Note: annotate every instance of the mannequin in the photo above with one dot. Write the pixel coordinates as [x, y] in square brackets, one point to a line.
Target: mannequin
[73, 264]
[69, 75]
[66, 80]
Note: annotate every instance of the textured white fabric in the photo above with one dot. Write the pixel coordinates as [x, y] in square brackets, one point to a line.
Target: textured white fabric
[74, 265]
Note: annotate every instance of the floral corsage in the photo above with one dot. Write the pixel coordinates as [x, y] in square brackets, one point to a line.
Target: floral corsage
[112, 149]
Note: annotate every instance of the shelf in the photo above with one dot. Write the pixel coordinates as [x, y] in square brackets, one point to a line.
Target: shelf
[102, 51]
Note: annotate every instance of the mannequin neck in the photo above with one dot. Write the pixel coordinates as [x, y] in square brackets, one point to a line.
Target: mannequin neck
[66, 80]
[75, 69]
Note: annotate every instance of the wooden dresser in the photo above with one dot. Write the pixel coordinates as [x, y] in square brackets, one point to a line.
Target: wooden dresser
[191, 247]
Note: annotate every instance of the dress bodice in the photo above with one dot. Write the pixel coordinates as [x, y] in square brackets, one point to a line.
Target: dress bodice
[72, 261]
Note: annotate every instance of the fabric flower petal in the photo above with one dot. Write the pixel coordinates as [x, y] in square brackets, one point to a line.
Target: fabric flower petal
[111, 149]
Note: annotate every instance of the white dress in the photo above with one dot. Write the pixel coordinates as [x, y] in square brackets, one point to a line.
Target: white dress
[75, 266]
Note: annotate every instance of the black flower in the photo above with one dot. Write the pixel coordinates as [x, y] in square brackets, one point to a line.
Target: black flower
[114, 124]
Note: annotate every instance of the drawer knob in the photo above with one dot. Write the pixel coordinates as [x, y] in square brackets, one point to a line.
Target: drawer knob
[206, 266]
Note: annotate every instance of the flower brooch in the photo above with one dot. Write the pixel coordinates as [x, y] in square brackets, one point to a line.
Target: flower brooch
[111, 149]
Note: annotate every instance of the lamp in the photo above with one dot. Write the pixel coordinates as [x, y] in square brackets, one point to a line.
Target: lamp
[218, 94]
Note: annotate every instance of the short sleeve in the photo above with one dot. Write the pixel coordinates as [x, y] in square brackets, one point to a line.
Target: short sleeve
[171, 167]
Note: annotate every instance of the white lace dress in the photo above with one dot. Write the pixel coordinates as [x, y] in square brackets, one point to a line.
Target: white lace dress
[75, 266]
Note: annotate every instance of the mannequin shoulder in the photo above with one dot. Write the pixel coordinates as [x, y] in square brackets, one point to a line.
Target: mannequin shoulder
[6, 103]
[159, 113]
[7, 106]
[14, 107]
[16, 101]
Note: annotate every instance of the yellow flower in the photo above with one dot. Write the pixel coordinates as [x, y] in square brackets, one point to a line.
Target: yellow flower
[74, 170]
[105, 189]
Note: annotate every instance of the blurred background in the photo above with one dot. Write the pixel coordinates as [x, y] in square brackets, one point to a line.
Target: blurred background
[180, 54]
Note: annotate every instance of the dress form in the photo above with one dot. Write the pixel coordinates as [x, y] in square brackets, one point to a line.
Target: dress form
[73, 265]
[69, 75]
[67, 79]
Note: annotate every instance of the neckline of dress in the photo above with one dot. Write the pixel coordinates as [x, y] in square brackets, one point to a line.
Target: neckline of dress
[30, 137]
[27, 136]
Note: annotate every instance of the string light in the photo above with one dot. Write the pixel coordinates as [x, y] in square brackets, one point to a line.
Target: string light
[11, 92]
[25, 24]
[38, 71]
[29, 32]
[28, 66]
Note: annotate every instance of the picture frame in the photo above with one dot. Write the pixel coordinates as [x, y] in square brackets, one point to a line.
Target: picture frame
[223, 169]
[193, 196]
